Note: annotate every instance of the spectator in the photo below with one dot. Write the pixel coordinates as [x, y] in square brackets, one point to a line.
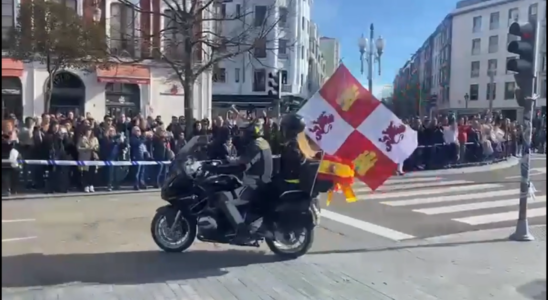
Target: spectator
[88, 148]
[139, 152]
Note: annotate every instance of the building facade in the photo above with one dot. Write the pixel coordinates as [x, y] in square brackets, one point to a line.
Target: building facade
[148, 88]
[331, 51]
[244, 79]
[316, 63]
[469, 54]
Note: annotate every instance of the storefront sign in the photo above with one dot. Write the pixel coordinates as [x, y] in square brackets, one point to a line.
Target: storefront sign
[174, 90]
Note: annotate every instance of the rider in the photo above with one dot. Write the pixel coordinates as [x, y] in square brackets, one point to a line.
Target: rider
[256, 163]
[292, 156]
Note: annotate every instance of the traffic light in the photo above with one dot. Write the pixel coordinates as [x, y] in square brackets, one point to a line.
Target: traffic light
[274, 84]
[524, 65]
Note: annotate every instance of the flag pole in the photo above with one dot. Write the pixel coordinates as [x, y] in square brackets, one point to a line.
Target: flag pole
[317, 172]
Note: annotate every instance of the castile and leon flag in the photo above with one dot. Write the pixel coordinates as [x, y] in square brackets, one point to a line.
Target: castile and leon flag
[347, 122]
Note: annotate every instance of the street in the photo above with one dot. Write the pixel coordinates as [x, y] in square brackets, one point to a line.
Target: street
[421, 207]
[99, 247]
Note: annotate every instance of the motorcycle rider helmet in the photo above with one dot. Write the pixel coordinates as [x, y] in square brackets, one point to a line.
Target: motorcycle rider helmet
[291, 125]
[251, 130]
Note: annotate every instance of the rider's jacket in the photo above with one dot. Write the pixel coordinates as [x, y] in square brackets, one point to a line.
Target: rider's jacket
[291, 161]
[257, 159]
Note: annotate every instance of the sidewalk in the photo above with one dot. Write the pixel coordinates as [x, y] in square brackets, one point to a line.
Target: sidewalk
[474, 266]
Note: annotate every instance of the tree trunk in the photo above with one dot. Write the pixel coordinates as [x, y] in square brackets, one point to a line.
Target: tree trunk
[48, 94]
[188, 88]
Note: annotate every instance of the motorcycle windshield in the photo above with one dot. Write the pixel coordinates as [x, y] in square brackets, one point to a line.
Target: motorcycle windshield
[193, 150]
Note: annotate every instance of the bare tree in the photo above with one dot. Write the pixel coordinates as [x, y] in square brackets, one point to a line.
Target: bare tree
[198, 34]
[56, 36]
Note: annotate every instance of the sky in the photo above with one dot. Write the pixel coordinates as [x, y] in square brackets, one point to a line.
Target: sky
[403, 24]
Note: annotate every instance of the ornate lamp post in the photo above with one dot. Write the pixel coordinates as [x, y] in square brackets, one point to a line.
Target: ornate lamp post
[368, 54]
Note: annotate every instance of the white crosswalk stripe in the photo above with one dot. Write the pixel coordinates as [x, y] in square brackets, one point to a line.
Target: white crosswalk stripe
[456, 200]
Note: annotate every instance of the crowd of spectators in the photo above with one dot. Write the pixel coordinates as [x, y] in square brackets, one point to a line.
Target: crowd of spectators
[443, 142]
[446, 141]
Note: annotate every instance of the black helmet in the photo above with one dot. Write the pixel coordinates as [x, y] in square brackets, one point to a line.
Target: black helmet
[252, 130]
[291, 125]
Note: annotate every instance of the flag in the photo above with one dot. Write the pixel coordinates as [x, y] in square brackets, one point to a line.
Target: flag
[341, 173]
[346, 121]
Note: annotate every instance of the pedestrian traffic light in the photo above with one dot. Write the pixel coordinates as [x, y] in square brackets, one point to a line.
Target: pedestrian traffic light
[524, 64]
[274, 84]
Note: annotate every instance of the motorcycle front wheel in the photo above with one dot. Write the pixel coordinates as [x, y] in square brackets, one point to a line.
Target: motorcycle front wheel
[178, 238]
[291, 245]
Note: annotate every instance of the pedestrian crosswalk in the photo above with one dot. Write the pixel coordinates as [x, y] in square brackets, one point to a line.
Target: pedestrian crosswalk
[448, 201]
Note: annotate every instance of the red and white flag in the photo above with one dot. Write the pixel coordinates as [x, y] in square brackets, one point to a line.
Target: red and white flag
[345, 120]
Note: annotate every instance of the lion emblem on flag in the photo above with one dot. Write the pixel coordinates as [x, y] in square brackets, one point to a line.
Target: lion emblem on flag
[392, 135]
[322, 125]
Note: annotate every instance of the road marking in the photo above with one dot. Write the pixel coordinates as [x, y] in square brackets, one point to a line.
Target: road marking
[473, 206]
[18, 239]
[18, 220]
[501, 217]
[394, 180]
[459, 197]
[410, 186]
[427, 192]
[365, 226]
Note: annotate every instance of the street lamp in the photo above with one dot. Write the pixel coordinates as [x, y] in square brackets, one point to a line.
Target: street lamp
[466, 98]
[368, 54]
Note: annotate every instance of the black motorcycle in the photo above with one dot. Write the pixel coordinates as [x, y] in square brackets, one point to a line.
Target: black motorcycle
[193, 191]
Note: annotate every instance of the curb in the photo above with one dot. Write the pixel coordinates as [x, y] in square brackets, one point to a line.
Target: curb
[499, 234]
[513, 161]
[77, 194]
[465, 170]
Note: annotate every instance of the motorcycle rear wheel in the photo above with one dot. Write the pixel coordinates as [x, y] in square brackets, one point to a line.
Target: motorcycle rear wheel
[306, 232]
[186, 223]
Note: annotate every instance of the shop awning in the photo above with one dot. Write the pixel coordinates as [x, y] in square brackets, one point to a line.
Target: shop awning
[132, 74]
[12, 67]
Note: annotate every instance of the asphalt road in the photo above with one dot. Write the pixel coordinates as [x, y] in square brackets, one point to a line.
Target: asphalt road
[422, 207]
[101, 245]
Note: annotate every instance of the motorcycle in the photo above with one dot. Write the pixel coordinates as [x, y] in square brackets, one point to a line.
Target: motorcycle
[192, 191]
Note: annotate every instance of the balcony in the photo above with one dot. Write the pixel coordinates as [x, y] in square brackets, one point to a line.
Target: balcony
[286, 88]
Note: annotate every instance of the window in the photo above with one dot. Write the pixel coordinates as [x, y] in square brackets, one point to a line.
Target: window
[475, 69]
[219, 74]
[507, 59]
[237, 75]
[476, 46]
[283, 16]
[543, 89]
[260, 48]
[476, 24]
[474, 91]
[238, 10]
[284, 76]
[69, 3]
[491, 92]
[282, 48]
[259, 80]
[260, 15]
[122, 29]
[494, 21]
[173, 37]
[493, 44]
[492, 67]
[303, 23]
[513, 15]
[302, 52]
[509, 88]
[7, 19]
[302, 79]
[533, 10]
